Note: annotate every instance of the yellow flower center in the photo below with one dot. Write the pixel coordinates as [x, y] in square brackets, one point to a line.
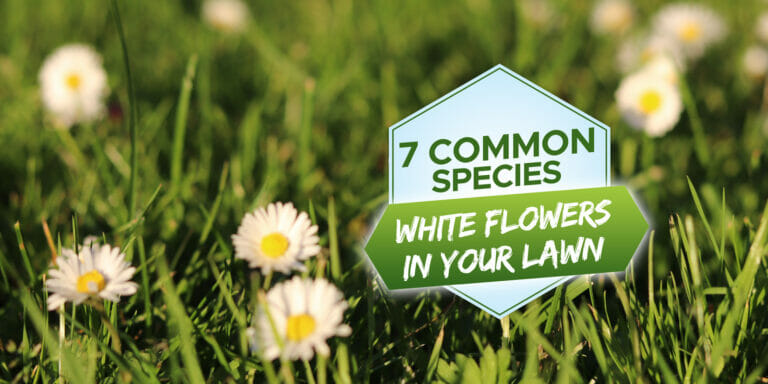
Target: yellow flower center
[298, 327]
[690, 32]
[73, 81]
[274, 245]
[650, 101]
[90, 282]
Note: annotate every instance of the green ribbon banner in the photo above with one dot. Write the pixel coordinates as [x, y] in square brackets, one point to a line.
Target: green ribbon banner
[511, 237]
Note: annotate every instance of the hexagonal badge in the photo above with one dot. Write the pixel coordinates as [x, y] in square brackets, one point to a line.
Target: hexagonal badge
[497, 135]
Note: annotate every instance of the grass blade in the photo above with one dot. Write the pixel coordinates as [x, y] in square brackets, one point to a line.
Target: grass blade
[180, 125]
[181, 324]
[132, 115]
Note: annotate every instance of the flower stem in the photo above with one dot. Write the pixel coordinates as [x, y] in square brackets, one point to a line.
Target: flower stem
[310, 375]
[321, 369]
[62, 334]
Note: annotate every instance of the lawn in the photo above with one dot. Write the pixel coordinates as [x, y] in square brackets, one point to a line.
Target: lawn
[203, 122]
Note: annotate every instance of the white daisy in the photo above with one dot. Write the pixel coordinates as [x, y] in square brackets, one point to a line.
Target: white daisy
[664, 67]
[305, 313]
[226, 15]
[97, 271]
[539, 13]
[649, 102]
[761, 27]
[694, 27]
[91, 241]
[73, 85]
[638, 51]
[755, 62]
[276, 238]
[612, 17]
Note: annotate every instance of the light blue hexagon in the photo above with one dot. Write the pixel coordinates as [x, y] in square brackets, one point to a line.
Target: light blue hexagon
[496, 102]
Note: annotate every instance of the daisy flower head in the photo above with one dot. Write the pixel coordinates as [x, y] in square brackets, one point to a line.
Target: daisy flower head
[226, 15]
[97, 271]
[663, 66]
[91, 241]
[649, 102]
[638, 51]
[755, 62]
[305, 314]
[761, 27]
[612, 17]
[276, 237]
[694, 27]
[539, 13]
[73, 85]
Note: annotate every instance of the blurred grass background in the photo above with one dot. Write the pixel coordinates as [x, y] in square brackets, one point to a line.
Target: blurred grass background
[295, 109]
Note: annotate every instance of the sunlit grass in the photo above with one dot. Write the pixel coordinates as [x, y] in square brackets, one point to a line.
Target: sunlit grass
[208, 126]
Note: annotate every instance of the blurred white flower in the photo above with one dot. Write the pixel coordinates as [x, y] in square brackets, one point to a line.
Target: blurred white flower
[305, 314]
[638, 51]
[612, 17]
[97, 271]
[539, 13]
[649, 102]
[761, 27]
[91, 241]
[664, 67]
[276, 238]
[755, 62]
[694, 27]
[226, 15]
[73, 85]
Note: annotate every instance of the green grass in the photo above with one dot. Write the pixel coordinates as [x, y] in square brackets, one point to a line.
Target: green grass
[205, 127]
